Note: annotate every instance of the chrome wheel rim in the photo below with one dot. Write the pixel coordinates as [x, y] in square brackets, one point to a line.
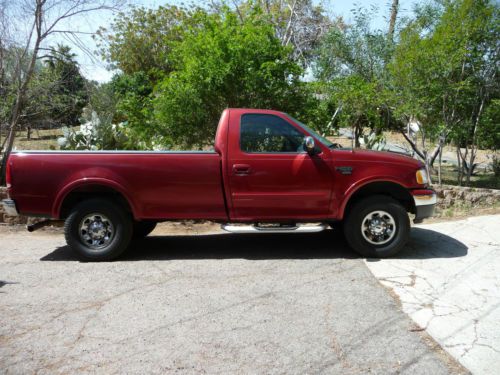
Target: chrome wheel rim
[378, 227]
[96, 231]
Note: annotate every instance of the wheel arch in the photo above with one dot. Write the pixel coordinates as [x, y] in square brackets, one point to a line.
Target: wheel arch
[380, 187]
[91, 188]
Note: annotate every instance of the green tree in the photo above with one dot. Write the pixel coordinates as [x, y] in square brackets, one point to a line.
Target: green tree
[445, 71]
[354, 49]
[413, 92]
[488, 133]
[133, 93]
[300, 24]
[103, 100]
[139, 43]
[224, 62]
[180, 67]
[41, 19]
[360, 103]
[142, 39]
[60, 89]
[352, 65]
[55, 95]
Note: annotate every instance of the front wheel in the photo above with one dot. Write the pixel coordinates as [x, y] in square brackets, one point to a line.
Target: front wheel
[377, 226]
[98, 229]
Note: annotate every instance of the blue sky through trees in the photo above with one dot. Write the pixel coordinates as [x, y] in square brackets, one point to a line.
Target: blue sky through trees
[93, 67]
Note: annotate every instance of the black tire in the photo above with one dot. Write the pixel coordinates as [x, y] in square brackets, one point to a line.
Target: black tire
[143, 228]
[358, 236]
[117, 229]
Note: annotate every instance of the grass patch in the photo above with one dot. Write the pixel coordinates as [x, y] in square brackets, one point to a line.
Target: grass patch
[45, 139]
[484, 180]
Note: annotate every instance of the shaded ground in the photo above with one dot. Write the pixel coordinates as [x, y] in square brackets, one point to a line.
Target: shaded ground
[213, 303]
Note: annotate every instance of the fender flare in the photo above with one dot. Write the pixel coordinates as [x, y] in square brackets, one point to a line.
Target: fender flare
[67, 189]
[353, 189]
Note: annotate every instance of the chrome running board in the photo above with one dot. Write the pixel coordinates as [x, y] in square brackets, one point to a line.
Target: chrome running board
[233, 228]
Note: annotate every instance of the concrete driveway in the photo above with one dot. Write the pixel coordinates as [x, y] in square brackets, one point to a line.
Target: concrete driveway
[211, 303]
[453, 293]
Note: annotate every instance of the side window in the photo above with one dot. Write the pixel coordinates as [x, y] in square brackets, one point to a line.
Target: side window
[269, 133]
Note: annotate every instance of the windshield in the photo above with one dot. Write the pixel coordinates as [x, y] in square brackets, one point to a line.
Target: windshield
[320, 138]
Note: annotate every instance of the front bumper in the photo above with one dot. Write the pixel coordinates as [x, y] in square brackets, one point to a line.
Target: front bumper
[9, 206]
[425, 202]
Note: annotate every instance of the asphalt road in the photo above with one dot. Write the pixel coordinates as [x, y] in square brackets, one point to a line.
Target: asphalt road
[216, 303]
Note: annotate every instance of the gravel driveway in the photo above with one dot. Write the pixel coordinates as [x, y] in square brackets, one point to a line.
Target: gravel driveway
[210, 303]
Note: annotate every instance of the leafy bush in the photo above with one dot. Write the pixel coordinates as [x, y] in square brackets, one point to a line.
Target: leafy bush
[374, 141]
[222, 62]
[95, 134]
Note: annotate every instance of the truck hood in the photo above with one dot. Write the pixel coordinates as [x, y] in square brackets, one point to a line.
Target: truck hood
[385, 157]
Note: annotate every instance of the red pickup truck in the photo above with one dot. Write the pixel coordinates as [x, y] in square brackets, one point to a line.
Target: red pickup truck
[268, 173]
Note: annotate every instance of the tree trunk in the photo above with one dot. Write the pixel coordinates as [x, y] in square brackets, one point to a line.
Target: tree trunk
[442, 143]
[459, 166]
[21, 92]
[413, 145]
[440, 182]
[465, 164]
[464, 167]
[287, 36]
[3, 143]
[427, 162]
[434, 154]
[473, 148]
[356, 135]
[10, 136]
[392, 21]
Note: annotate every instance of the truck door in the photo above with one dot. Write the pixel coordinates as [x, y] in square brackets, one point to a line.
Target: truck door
[270, 174]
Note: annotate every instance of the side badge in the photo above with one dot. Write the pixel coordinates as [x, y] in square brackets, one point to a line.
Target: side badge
[344, 170]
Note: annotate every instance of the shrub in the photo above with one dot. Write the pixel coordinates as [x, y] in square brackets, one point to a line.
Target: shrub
[95, 134]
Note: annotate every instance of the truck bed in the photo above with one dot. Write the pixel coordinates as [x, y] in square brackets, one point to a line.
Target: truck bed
[157, 185]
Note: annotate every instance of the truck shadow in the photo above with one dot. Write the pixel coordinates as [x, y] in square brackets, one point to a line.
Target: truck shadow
[330, 244]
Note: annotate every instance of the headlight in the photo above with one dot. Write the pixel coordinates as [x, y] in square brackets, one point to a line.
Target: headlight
[422, 177]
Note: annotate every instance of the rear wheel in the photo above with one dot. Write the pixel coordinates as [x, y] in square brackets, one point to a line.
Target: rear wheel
[143, 228]
[98, 229]
[377, 226]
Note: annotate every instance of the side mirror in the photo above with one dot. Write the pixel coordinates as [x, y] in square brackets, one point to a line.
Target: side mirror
[309, 144]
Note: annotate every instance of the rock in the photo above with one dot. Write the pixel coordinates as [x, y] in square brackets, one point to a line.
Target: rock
[449, 195]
